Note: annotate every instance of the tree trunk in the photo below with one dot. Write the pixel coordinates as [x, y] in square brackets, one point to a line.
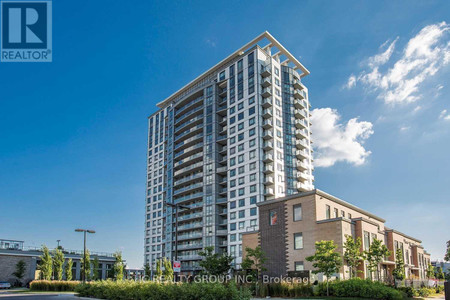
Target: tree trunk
[328, 292]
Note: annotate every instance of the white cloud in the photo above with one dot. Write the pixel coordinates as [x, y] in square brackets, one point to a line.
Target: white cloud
[211, 43]
[404, 128]
[351, 82]
[334, 142]
[417, 108]
[422, 57]
[444, 115]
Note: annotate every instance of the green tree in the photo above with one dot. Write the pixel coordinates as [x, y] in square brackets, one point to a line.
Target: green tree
[215, 263]
[20, 271]
[168, 270]
[86, 261]
[58, 263]
[440, 273]
[68, 269]
[375, 255]
[254, 259]
[447, 252]
[147, 271]
[353, 255]
[118, 266]
[95, 266]
[399, 270]
[430, 271]
[159, 272]
[46, 264]
[326, 259]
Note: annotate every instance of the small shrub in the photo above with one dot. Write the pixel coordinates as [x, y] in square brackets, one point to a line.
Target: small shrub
[56, 286]
[439, 289]
[425, 292]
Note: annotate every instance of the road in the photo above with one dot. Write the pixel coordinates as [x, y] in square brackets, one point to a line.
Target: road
[6, 295]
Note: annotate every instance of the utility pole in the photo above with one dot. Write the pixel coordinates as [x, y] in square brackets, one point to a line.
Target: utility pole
[84, 250]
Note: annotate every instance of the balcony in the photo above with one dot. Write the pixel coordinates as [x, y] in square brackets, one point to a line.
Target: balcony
[269, 192]
[190, 246]
[188, 178]
[223, 160]
[301, 133]
[222, 139]
[298, 84]
[221, 232]
[223, 92]
[301, 124]
[267, 81]
[266, 92]
[299, 94]
[303, 187]
[223, 244]
[268, 145]
[222, 200]
[302, 177]
[223, 212]
[302, 154]
[267, 102]
[188, 124]
[189, 226]
[190, 216]
[267, 124]
[186, 133]
[188, 189]
[189, 197]
[188, 141]
[222, 170]
[190, 168]
[266, 71]
[301, 166]
[223, 150]
[190, 235]
[300, 114]
[267, 113]
[223, 191]
[301, 144]
[189, 113]
[222, 110]
[267, 134]
[268, 157]
[300, 104]
[268, 180]
[189, 105]
[188, 160]
[223, 130]
[268, 169]
[185, 152]
[223, 181]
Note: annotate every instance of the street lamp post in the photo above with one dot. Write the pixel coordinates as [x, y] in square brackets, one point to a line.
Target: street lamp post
[176, 206]
[84, 250]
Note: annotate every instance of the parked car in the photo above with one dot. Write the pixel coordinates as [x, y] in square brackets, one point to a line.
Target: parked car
[5, 285]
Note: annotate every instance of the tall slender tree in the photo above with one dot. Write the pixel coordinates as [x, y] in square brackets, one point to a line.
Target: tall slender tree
[399, 270]
[353, 255]
[46, 264]
[68, 269]
[58, 263]
[168, 270]
[95, 266]
[447, 252]
[86, 261]
[118, 266]
[159, 272]
[375, 255]
[20, 271]
[147, 271]
[326, 259]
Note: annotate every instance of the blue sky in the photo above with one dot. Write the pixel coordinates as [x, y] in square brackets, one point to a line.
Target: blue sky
[73, 132]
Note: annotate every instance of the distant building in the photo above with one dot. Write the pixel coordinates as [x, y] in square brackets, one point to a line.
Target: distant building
[134, 274]
[290, 226]
[11, 252]
[444, 266]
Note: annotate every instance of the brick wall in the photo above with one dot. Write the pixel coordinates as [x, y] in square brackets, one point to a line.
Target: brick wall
[8, 267]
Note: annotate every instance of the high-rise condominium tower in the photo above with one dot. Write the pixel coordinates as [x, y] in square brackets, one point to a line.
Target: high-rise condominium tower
[236, 135]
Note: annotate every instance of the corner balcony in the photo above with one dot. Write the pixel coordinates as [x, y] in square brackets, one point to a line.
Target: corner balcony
[268, 157]
[223, 191]
[268, 180]
[299, 94]
[268, 169]
[267, 113]
[223, 150]
[301, 133]
[222, 200]
[188, 142]
[301, 166]
[267, 134]
[303, 187]
[268, 145]
[302, 154]
[189, 150]
[300, 104]
[267, 81]
[298, 84]
[222, 170]
[301, 124]
[188, 179]
[188, 124]
[189, 169]
[191, 131]
[301, 144]
[222, 139]
[221, 232]
[223, 181]
[188, 160]
[223, 92]
[223, 244]
[267, 102]
[189, 114]
[267, 124]
[189, 106]
[266, 92]
[266, 71]
[223, 212]
[269, 192]
[300, 114]
[302, 177]
[222, 110]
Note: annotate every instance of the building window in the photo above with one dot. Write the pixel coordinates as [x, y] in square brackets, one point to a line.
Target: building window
[336, 212]
[366, 240]
[273, 217]
[298, 241]
[328, 211]
[298, 212]
[299, 266]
